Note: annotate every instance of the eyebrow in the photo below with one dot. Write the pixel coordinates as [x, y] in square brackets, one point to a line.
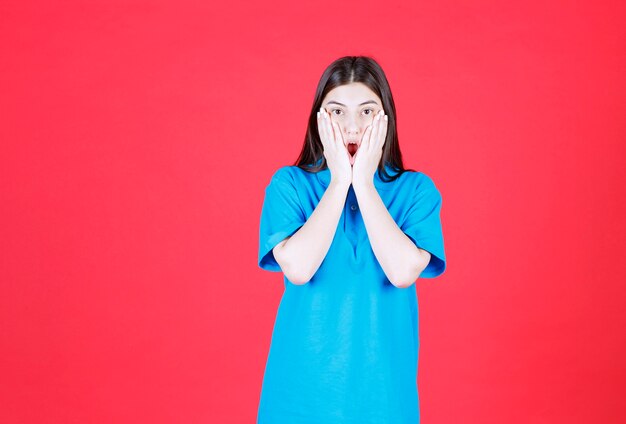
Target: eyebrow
[364, 103]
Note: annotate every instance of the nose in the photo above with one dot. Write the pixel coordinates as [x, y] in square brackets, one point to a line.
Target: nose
[351, 128]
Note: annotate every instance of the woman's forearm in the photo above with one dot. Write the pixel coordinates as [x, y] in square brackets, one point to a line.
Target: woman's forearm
[303, 253]
[398, 256]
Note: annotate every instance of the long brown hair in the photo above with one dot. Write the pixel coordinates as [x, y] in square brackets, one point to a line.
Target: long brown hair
[347, 70]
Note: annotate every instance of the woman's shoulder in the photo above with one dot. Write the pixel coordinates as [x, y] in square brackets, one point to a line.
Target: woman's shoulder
[282, 173]
[417, 182]
[417, 177]
[293, 171]
[290, 174]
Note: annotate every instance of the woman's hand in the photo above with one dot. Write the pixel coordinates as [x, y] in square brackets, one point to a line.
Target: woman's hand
[335, 152]
[370, 151]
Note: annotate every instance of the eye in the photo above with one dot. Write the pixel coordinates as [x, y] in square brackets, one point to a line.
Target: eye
[335, 110]
[370, 110]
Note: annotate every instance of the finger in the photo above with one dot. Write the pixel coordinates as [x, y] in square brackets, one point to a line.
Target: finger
[329, 131]
[340, 144]
[320, 129]
[366, 137]
[379, 135]
[383, 134]
[375, 132]
[327, 134]
[381, 128]
[338, 135]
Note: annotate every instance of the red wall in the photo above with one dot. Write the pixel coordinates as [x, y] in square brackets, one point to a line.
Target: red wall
[137, 139]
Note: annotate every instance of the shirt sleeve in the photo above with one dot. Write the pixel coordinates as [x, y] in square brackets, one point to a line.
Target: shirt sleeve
[423, 225]
[281, 216]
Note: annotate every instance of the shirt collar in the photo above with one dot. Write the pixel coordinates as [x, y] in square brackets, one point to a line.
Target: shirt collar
[323, 177]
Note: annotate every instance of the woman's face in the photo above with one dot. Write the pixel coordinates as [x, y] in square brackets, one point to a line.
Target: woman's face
[353, 107]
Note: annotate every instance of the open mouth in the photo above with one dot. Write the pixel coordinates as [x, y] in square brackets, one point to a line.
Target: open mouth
[352, 148]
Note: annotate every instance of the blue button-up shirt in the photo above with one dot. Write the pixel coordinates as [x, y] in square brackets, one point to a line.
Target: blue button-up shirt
[345, 345]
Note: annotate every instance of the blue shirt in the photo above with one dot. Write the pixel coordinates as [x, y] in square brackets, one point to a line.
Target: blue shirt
[345, 345]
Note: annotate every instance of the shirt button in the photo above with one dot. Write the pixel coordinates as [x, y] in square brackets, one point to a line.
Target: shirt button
[353, 207]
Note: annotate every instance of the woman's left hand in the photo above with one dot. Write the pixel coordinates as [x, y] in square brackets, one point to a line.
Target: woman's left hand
[370, 151]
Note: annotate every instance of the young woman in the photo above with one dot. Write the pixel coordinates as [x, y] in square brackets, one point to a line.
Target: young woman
[351, 230]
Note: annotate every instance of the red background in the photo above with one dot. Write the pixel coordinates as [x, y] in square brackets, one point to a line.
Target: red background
[137, 139]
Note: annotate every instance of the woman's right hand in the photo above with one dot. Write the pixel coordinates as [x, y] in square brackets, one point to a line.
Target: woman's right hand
[335, 152]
